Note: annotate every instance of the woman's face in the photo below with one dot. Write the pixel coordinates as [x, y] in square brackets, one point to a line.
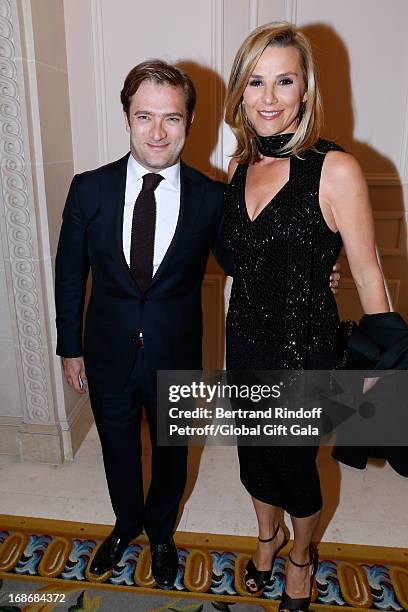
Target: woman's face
[275, 91]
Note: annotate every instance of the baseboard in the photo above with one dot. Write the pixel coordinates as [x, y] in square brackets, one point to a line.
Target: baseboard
[76, 428]
[9, 427]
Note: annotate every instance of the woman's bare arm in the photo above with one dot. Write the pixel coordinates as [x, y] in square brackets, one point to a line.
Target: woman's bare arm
[344, 192]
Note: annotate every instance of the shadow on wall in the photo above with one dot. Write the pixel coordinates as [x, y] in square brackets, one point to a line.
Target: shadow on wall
[204, 134]
[332, 59]
[333, 63]
[201, 143]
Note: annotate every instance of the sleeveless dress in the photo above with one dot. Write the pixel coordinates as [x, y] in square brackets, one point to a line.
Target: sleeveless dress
[282, 313]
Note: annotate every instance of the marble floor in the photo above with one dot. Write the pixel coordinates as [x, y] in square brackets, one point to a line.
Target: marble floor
[361, 507]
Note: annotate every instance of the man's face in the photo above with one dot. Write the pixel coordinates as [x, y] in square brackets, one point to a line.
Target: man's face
[157, 125]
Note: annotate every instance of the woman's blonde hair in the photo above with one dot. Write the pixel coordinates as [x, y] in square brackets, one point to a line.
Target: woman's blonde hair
[275, 34]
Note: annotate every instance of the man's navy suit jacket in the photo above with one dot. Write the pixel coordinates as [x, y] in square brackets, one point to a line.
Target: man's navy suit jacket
[168, 313]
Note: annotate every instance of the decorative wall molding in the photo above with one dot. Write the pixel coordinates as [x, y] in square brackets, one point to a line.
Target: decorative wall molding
[100, 81]
[404, 146]
[16, 194]
[216, 95]
[76, 427]
[383, 179]
[393, 285]
[399, 218]
[9, 427]
[213, 320]
[291, 10]
[253, 14]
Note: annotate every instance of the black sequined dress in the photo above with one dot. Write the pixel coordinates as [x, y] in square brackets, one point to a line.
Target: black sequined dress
[282, 314]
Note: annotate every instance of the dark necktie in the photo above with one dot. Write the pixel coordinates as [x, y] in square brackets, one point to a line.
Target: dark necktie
[143, 232]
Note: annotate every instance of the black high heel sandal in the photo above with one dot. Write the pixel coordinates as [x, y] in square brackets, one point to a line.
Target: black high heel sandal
[261, 577]
[301, 604]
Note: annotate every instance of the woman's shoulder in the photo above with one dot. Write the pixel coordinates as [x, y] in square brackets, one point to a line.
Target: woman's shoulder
[340, 169]
[333, 164]
[336, 159]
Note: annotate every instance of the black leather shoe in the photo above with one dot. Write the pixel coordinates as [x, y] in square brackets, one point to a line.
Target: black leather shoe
[109, 553]
[164, 563]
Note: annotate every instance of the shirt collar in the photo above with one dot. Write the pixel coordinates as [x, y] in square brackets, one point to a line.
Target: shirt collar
[170, 174]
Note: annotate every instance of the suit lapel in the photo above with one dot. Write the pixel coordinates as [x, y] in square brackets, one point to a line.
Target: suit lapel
[113, 188]
[191, 193]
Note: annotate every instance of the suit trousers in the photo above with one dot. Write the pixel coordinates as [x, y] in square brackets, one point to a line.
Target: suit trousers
[118, 421]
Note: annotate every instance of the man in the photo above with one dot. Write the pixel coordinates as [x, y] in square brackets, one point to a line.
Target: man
[144, 313]
[146, 240]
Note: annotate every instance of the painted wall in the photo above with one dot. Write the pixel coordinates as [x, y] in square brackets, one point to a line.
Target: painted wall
[362, 55]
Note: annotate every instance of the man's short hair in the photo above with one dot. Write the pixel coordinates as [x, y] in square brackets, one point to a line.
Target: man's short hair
[161, 72]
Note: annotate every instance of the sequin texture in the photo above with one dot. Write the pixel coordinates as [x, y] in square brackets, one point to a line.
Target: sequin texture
[280, 297]
[270, 146]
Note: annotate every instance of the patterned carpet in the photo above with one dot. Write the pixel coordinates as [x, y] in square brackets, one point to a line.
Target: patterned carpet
[43, 558]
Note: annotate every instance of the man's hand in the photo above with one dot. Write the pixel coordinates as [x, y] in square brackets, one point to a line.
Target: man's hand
[74, 370]
[335, 278]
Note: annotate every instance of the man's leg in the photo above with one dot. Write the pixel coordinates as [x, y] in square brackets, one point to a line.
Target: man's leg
[169, 474]
[118, 420]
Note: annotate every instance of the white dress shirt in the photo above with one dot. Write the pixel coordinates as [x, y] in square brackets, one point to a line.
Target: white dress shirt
[167, 196]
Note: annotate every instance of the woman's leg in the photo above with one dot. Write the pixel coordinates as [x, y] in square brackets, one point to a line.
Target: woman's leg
[268, 519]
[269, 530]
[298, 578]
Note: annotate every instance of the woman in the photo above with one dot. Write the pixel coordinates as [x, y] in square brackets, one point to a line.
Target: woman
[292, 201]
